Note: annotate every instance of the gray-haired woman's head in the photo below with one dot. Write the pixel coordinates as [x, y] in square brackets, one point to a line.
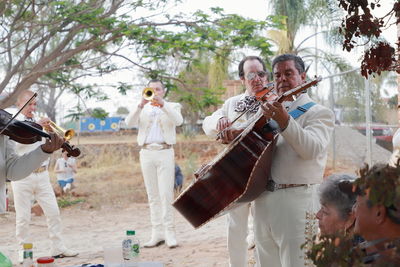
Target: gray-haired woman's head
[330, 194]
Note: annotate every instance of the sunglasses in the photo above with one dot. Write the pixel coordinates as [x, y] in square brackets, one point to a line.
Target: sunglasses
[252, 75]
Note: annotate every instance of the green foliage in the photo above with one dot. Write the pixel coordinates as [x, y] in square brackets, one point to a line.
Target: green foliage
[196, 94]
[122, 110]
[99, 113]
[340, 251]
[335, 251]
[123, 88]
[68, 201]
[382, 185]
[65, 40]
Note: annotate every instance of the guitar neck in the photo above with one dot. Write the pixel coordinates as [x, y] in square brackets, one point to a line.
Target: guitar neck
[299, 89]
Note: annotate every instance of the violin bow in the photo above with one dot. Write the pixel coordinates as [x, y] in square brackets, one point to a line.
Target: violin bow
[246, 111]
[18, 112]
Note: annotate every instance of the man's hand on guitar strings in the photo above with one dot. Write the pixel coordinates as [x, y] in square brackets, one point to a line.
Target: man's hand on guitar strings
[277, 112]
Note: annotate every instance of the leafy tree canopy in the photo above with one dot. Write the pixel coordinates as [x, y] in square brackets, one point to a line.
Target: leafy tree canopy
[59, 40]
[99, 113]
[360, 23]
[122, 110]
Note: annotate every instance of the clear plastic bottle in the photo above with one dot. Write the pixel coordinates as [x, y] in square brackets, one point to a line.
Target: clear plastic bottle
[28, 255]
[131, 249]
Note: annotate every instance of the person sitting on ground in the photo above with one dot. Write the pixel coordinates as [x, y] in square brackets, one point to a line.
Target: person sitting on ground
[335, 215]
[65, 169]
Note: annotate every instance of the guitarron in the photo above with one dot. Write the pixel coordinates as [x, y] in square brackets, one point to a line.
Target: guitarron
[237, 175]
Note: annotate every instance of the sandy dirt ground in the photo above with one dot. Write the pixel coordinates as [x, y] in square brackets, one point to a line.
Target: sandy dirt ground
[110, 183]
[88, 231]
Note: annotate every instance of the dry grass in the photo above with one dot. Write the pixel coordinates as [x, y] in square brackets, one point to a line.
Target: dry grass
[109, 172]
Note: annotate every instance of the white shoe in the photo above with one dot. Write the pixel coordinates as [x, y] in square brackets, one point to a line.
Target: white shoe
[66, 253]
[170, 239]
[154, 242]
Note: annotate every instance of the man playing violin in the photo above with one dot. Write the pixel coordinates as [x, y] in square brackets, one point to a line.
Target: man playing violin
[14, 167]
[157, 120]
[37, 186]
[254, 77]
[298, 163]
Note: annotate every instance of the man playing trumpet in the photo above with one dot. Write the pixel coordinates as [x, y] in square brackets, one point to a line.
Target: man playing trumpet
[156, 120]
[37, 187]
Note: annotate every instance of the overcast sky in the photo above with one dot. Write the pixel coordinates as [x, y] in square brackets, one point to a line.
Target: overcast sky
[255, 9]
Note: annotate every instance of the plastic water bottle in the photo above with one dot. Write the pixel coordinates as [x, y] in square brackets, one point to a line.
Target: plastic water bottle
[28, 255]
[4, 261]
[130, 249]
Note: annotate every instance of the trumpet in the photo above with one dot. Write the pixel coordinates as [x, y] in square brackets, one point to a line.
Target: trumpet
[53, 127]
[148, 94]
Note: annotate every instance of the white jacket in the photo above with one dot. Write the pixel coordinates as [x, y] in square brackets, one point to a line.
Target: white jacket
[301, 151]
[227, 110]
[14, 167]
[169, 119]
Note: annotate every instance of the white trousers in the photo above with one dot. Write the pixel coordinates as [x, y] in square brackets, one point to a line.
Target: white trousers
[158, 169]
[240, 225]
[280, 220]
[37, 186]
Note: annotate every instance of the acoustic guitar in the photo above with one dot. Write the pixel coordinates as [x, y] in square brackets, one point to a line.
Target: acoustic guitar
[237, 175]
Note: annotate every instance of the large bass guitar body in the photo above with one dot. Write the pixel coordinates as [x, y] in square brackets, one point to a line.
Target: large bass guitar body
[238, 175]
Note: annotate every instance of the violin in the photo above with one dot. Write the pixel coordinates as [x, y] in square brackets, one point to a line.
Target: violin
[27, 132]
[267, 94]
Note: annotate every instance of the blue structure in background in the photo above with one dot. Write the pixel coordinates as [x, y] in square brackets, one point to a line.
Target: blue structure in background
[109, 124]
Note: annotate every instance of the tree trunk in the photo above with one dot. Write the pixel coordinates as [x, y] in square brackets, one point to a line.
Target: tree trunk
[398, 78]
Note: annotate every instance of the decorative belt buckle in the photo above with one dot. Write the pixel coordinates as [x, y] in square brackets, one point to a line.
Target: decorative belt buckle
[271, 185]
[155, 146]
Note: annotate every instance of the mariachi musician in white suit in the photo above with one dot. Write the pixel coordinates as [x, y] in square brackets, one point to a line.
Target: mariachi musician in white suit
[157, 120]
[254, 77]
[283, 215]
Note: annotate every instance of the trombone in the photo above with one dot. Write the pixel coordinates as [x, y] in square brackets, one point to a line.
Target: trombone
[53, 127]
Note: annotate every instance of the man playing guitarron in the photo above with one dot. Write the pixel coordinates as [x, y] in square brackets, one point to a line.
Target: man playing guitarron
[298, 164]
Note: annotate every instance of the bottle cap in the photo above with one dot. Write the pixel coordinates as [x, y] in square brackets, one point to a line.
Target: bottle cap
[130, 232]
[45, 260]
[27, 245]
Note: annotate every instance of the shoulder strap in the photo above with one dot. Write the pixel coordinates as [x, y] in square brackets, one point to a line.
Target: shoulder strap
[300, 110]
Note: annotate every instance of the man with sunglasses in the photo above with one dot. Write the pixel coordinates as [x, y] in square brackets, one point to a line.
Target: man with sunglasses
[282, 212]
[254, 77]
